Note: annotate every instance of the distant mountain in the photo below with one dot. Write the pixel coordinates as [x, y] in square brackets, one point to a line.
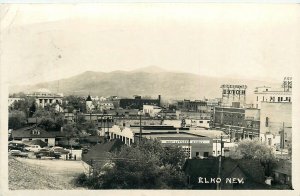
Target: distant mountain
[150, 81]
[149, 69]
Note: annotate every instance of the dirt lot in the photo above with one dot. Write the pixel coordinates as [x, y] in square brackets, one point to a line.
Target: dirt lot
[43, 174]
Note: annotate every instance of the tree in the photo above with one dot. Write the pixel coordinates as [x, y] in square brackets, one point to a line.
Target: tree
[254, 149]
[143, 166]
[16, 119]
[32, 109]
[74, 103]
[23, 105]
[48, 124]
[70, 131]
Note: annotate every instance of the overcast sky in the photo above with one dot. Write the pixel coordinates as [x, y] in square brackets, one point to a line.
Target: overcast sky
[47, 42]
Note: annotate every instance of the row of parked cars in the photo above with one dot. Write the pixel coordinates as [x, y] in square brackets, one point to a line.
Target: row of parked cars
[22, 150]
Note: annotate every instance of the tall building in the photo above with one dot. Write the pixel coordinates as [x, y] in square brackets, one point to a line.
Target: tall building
[233, 95]
[269, 94]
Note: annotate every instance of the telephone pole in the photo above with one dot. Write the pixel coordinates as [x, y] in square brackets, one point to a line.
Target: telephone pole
[141, 132]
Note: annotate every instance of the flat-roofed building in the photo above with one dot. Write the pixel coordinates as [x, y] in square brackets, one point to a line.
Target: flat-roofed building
[239, 123]
[274, 95]
[44, 97]
[194, 145]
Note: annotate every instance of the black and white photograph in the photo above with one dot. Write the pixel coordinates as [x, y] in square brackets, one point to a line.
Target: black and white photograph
[148, 96]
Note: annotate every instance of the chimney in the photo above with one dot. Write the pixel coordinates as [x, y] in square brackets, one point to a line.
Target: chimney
[159, 100]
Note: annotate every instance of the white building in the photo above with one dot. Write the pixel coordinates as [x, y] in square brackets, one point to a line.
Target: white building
[89, 104]
[151, 110]
[203, 123]
[268, 94]
[123, 133]
[44, 97]
[12, 100]
[105, 105]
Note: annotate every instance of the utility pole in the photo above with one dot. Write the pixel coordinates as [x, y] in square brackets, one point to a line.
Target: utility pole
[222, 145]
[219, 172]
[282, 139]
[140, 115]
[220, 165]
[283, 135]
[216, 146]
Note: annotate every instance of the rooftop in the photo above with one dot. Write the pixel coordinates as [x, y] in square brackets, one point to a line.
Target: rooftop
[206, 133]
[177, 136]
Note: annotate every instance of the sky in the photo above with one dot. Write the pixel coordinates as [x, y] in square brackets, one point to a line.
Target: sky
[43, 42]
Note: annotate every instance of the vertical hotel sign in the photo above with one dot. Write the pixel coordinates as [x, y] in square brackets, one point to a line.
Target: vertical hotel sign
[232, 93]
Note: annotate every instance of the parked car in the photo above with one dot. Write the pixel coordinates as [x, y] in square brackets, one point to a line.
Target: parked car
[60, 149]
[44, 152]
[18, 153]
[33, 148]
[16, 146]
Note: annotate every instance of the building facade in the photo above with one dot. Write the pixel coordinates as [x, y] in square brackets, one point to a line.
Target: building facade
[276, 124]
[138, 102]
[239, 123]
[151, 110]
[44, 97]
[274, 95]
[233, 95]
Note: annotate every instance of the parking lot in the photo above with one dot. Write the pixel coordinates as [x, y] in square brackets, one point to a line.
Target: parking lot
[67, 168]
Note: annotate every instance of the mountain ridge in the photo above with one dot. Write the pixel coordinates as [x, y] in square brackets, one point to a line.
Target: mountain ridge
[171, 85]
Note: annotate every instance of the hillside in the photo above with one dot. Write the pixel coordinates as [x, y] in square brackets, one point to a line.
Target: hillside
[145, 82]
[25, 176]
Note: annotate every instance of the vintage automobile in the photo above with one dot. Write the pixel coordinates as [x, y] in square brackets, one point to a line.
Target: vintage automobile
[33, 148]
[46, 152]
[16, 146]
[60, 149]
[18, 153]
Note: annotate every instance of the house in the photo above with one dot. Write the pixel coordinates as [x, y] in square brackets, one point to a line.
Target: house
[36, 133]
[234, 174]
[98, 155]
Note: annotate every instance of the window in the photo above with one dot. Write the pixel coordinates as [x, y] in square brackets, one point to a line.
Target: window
[197, 154]
[269, 141]
[205, 154]
[278, 99]
[201, 121]
[187, 151]
[46, 140]
[267, 121]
